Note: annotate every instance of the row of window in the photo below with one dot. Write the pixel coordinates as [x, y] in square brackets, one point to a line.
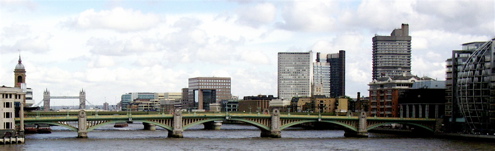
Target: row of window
[11, 96]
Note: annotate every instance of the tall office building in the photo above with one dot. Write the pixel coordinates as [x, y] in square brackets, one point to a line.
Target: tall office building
[206, 90]
[337, 74]
[294, 74]
[321, 75]
[329, 74]
[392, 54]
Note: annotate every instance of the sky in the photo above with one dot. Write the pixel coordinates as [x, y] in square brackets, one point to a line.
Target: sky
[109, 48]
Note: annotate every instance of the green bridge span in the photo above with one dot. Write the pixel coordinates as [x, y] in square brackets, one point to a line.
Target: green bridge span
[270, 124]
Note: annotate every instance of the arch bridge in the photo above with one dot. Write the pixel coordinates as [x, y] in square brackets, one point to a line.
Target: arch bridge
[270, 124]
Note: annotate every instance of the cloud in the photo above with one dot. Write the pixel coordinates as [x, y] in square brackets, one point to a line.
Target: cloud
[257, 15]
[117, 19]
[309, 16]
[37, 44]
[122, 47]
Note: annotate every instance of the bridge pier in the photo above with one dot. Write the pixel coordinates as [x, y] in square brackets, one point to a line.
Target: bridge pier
[213, 125]
[148, 126]
[177, 125]
[362, 130]
[82, 131]
[275, 131]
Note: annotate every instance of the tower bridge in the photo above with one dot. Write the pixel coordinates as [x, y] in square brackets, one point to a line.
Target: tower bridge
[47, 98]
[270, 124]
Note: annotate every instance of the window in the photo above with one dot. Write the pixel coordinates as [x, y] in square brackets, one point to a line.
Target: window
[7, 115]
[7, 104]
[7, 125]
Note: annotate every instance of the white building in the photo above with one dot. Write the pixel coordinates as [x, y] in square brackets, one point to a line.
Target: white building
[8, 96]
[294, 74]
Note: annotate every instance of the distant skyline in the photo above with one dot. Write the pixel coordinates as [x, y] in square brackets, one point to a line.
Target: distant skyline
[109, 48]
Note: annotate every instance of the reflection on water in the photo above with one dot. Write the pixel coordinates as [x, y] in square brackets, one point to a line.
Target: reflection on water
[233, 137]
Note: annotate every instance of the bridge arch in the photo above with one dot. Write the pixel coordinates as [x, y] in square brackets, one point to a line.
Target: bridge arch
[72, 128]
[201, 122]
[405, 123]
[118, 121]
[347, 126]
[256, 124]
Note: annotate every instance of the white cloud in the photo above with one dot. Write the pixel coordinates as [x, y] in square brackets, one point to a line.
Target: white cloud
[257, 15]
[118, 19]
[309, 15]
[38, 44]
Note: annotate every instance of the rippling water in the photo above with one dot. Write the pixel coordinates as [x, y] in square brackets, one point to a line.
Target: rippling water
[233, 137]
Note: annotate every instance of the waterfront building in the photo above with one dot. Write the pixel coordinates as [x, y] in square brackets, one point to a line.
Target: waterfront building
[320, 104]
[295, 74]
[280, 104]
[392, 54]
[206, 90]
[425, 99]
[474, 88]
[384, 93]
[230, 105]
[149, 101]
[9, 96]
[255, 103]
[454, 64]
[170, 100]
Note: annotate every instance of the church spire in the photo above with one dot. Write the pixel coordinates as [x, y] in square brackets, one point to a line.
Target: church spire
[20, 61]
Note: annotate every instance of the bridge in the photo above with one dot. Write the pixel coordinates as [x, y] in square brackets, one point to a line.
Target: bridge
[270, 124]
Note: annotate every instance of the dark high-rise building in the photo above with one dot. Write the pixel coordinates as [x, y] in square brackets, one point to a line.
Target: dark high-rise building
[392, 54]
[337, 74]
[329, 74]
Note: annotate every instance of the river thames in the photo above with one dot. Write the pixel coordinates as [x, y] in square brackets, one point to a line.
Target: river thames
[234, 137]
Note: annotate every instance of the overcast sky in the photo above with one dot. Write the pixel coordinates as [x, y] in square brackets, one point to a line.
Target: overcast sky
[109, 48]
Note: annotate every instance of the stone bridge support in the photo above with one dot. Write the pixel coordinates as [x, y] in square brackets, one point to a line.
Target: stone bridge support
[82, 131]
[177, 125]
[362, 127]
[148, 126]
[275, 126]
[213, 125]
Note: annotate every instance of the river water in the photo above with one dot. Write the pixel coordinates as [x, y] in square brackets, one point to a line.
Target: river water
[233, 137]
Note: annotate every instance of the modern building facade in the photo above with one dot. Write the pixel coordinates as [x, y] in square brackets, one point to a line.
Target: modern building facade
[321, 75]
[384, 94]
[454, 65]
[206, 90]
[475, 89]
[329, 74]
[149, 101]
[295, 74]
[392, 54]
